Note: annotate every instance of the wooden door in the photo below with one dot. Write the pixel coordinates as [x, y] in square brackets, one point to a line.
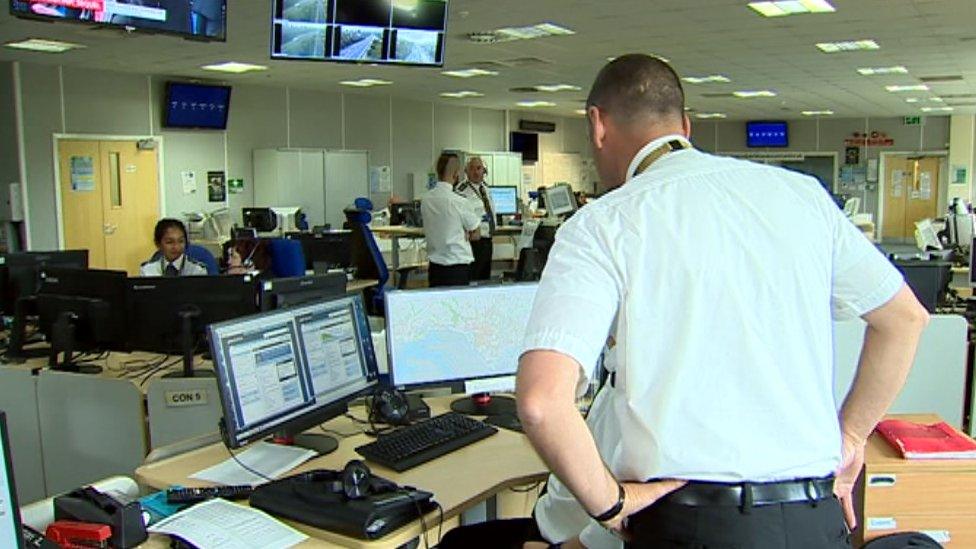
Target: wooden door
[897, 183]
[923, 196]
[109, 201]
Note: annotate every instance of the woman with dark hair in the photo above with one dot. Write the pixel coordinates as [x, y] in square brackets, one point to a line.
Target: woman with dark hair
[170, 258]
[247, 256]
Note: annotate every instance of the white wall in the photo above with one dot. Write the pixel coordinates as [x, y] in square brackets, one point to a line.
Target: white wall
[404, 134]
[9, 171]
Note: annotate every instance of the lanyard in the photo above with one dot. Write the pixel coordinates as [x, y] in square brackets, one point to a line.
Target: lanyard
[656, 154]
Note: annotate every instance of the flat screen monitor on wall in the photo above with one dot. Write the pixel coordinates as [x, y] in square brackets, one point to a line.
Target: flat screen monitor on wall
[767, 134]
[525, 143]
[364, 31]
[200, 106]
[198, 19]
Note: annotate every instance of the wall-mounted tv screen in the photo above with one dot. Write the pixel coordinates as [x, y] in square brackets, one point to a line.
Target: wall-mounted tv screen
[400, 32]
[201, 106]
[525, 143]
[202, 19]
[767, 134]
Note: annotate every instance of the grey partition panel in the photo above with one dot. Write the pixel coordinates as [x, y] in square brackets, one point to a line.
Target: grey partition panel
[937, 381]
[181, 408]
[18, 399]
[91, 427]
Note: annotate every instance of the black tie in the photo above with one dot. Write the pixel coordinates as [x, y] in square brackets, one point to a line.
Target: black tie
[488, 212]
[171, 270]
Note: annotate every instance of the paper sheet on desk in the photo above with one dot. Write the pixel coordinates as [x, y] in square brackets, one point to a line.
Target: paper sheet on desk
[220, 524]
[271, 460]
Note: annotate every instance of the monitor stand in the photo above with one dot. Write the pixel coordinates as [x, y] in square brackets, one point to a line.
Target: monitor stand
[63, 341]
[187, 317]
[483, 404]
[321, 444]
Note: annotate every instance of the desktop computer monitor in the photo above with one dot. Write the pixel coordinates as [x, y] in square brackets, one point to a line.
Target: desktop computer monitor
[333, 250]
[559, 200]
[928, 279]
[471, 334]
[288, 370]
[505, 199]
[263, 220]
[20, 272]
[82, 310]
[170, 314]
[10, 533]
[281, 293]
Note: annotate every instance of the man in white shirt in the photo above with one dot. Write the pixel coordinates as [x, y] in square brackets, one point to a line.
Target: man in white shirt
[449, 225]
[718, 279]
[475, 191]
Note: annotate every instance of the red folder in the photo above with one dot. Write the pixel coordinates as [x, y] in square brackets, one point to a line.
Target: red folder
[936, 441]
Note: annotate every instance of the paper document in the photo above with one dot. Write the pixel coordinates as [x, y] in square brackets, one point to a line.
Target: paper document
[271, 460]
[220, 524]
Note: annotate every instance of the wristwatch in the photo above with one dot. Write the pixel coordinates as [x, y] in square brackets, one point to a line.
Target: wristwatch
[612, 512]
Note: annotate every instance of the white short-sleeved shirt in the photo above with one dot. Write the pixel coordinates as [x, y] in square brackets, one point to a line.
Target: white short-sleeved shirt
[187, 266]
[723, 277]
[447, 218]
[471, 192]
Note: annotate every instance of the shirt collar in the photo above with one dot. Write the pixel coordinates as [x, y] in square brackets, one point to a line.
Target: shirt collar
[178, 262]
[647, 149]
[444, 185]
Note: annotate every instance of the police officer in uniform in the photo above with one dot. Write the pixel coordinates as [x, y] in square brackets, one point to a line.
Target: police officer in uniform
[170, 258]
[475, 190]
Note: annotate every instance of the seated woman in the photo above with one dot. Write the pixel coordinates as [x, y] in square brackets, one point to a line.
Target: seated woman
[248, 256]
[170, 258]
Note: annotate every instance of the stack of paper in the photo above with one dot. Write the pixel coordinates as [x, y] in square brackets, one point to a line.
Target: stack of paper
[269, 460]
[220, 524]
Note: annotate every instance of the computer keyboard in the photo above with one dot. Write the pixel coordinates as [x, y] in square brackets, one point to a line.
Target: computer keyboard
[421, 442]
[194, 495]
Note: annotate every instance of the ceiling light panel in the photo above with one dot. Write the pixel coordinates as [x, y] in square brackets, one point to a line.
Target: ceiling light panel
[234, 67]
[818, 113]
[782, 8]
[462, 94]
[876, 71]
[536, 104]
[469, 73]
[910, 87]
[529, 32]
[937, 109]
[848, 45]
[556, 87]
[365, 83]
[710, 79]
[43, 46]
[746, 94]
[710, 115]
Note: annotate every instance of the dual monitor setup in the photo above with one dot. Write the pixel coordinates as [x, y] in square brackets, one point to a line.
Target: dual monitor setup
[81, 309]
[284, 371]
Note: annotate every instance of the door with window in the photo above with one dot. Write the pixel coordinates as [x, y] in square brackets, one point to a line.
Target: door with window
[911, 193]
[109, 201]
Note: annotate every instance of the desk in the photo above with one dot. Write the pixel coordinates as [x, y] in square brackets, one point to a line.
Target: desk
[912, 495]
[357, 285]
[396, 232]
[459, 480]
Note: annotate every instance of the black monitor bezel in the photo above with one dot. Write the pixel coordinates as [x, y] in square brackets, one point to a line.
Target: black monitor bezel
[82, 290]
[35, 261]
[271, 290]
[11, 483]
[505, 187]
[312, 417]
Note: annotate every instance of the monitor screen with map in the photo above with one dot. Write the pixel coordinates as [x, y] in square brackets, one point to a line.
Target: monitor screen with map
[441, 336]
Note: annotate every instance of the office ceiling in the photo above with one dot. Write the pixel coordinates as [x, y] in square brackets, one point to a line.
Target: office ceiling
[699, 37]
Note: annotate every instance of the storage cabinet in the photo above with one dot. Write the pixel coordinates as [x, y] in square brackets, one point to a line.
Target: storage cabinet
[321, 182]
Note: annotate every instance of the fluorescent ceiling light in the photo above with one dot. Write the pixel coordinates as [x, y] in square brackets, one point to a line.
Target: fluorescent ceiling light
[462, 94]
[529, 32]
[911, 87]
[912, 100]
[754, 93]
[581, 112]
[44, 46]
[405, 4]
[365, 83]
[874, 71]
[781, 8]
[556, 87]
[469, 73]
[936, 100]
[712, 78]
[849, 45]
[818, 113]
[534, 104]
[234, 67]
[936, 109]
[708, 115]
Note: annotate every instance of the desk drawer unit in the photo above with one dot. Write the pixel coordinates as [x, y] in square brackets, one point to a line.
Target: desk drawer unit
[950, 531]
[934, 494]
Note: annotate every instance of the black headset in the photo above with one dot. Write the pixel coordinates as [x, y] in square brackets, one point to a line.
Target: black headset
[389, 406]
[356, 479]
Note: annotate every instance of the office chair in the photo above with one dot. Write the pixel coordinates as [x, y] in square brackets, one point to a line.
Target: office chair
[369, 263]
[287, 257]
[204, 256]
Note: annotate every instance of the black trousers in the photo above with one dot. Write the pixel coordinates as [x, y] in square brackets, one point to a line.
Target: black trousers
[801, 525]
[448, 275]
[494, 534]
[481, 268]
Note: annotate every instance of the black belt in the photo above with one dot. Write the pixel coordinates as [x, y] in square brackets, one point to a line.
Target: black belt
[749, 494]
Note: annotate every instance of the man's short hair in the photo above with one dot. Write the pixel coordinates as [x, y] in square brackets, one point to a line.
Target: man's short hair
[443, 161]
[471, 160]
[638, 87]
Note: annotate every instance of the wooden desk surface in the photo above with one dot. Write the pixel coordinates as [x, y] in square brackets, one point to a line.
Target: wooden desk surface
[880, 456]
[398, 230]
[357, 285]
[458, 480]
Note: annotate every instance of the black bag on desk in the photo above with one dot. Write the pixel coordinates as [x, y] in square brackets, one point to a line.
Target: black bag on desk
[317, 498]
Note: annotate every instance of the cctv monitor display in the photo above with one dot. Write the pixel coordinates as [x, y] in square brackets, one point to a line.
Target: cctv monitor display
[368, 31]
[198, 19]
[196, 106]
[767, 134]
[505, 199]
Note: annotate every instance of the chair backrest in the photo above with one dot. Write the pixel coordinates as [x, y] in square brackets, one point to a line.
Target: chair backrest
[204, 256]
[529, 266]
[852, 206]
[368, 261]
[287, 258]
[904, 540]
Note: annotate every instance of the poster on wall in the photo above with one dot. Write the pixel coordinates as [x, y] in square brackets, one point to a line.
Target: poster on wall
[82, 174]
[380, 179]
[189, 181]
[852, 156]
[216, 187]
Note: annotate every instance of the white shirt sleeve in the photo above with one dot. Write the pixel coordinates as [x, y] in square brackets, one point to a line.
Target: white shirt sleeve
[862, 277]
[470, 219]
[577, 299]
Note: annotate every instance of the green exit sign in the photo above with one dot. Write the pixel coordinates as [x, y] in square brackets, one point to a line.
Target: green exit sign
[913, 120]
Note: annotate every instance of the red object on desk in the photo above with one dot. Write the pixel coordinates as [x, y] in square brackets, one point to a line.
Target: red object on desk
[935, 441]
[71, 534]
